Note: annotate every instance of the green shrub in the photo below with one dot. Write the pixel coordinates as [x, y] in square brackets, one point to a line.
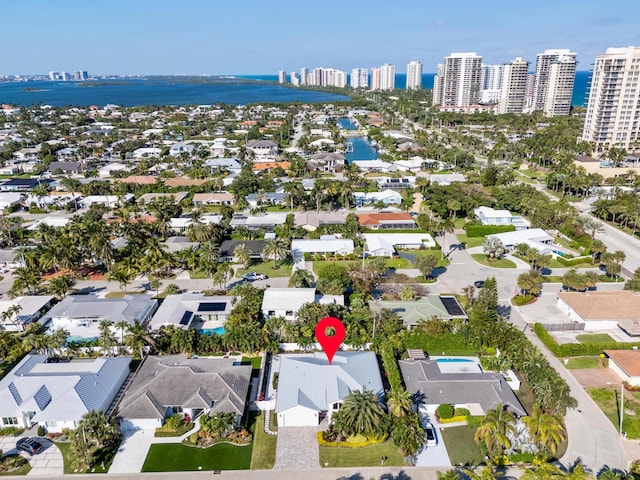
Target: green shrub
[274, 381]
[41, 431]
[474, 421]
[307, 256]
[7, 431]
[461, 412]
[444, 411]
[578, 349]
[165, 432]
[484, 230]
[520, 300]
[391, 367]
[521, 457]
[574, 261]
[174, 422]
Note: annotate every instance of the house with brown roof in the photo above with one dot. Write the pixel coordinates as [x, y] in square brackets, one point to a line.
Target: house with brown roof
[626, 363]
[184, 182]
[139, 180]
[386, 220]
[603, 310]
[213, 198]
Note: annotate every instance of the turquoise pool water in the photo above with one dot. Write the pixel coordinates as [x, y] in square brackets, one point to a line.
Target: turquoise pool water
[211, 331]
[453, 360]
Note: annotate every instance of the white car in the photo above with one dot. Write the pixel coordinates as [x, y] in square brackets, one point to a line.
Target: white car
[430, 438]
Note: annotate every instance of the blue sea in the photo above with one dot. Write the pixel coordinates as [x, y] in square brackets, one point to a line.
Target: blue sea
[188, 91]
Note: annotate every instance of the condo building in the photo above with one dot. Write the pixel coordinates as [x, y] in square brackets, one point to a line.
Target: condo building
[387, 77]
[414, 75]
[375, 78]
[282, 76]
[514, 86]
[490, 83]
[554, 80]
[457, 82]
[304, 73]
[359, 78]
[613, 109]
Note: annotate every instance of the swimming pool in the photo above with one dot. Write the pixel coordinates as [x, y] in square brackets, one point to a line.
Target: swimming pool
[454, 360]
[211, 331]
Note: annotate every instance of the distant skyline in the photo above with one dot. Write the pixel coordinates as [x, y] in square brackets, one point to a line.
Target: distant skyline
[257, 37]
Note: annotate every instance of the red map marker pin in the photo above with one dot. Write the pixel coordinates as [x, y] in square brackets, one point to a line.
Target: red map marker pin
[330, 344]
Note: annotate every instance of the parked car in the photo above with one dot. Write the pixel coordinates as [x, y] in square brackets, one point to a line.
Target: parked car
[478, 283]
[30, 445]
[430, 438]
[250, 277]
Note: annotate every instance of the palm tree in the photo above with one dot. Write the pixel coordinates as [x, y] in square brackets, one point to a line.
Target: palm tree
[493, 248]
[544, 471]
[59, 286]
[242, 255]
[123, 276]
[122, 325]
[107, 339]
[494, 428]
[447, 226]
[137, 337]
[301, 279]
[361, 412]
[399, 402]
[488, 472]
[578, 471]
[451, 474]
[275, 249]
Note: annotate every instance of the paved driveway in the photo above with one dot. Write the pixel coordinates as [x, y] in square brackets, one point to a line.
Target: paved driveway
[297, 449]
[133, 451]
[48, 463]
[434, 456]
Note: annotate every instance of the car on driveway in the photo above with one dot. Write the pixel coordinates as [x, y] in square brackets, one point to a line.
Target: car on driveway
[430, 438]
[478, 283]
[30, 445]
[250, 277]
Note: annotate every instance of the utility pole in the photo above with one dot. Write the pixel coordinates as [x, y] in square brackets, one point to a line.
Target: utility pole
[621, 406]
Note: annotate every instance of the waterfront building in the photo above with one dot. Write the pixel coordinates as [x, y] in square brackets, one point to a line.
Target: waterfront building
[80, 75]
[491, 78]
[282, 76]
[613, 109]
[304, 73]
[340, 79]
[359, 78]
[375, 78]
[458, 80]
[554, 79]
[414, 75]
[295, 80]
[514, 86]
[387, 77]
[54, 75]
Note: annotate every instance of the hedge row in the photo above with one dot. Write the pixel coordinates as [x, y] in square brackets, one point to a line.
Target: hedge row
[457, 418]
[163, 432]
[570, 262]
[578, 349]
[371, 441]
[391, 367]
[484, 230]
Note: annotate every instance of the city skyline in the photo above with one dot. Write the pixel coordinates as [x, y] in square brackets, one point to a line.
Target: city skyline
[145, 38]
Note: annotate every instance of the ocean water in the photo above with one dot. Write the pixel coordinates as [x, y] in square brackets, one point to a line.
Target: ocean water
[188, 91]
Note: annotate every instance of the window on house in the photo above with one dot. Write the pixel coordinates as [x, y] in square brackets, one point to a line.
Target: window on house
[271, 312]
[51, 424]
[177, 409]
[289, 313]
[336, 406]
[9, 420]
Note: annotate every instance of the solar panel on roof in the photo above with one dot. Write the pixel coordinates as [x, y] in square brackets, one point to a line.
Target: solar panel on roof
[212, 307]
[186, 316]
[452, 306]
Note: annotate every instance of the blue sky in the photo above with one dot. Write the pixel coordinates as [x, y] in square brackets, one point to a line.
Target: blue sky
[222, 37]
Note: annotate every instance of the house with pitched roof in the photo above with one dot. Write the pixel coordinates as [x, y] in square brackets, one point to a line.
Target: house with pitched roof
[193, 310]
[412, 312]
[286, 302]
[386, 220]
[169, 384]
[626, 363]
[57, 395]
[603, 310]
[311, 390]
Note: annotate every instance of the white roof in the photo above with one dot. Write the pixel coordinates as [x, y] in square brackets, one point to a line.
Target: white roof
[61, 391]
[523, 236]
[287, 298]
[308, 380]
[50, 221]
[489, 212]
[385, 240]
[333, 245]
[29, 304]
[366, 164]
[180, 310]
[9, 198]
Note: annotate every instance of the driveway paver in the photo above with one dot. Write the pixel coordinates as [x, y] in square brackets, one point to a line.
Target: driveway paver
[297, 449]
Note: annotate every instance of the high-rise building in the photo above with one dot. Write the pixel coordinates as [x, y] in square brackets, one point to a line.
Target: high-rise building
[387, 77]
[458, 80]
[304, 73]
[414, 75]
[66, 76]
[514, 86]
[54, 75]
[359, 78]
[613, 109]
[80, 75]
[491, 78]
[295, 80]
[562, 62]
[340, 79]
[282, 76]
[375, 78]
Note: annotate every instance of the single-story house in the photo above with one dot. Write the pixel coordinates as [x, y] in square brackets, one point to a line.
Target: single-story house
[227, 247]
[428, 307]
[213, 198]
[388, 197]
[169, 384]
[107, 170]
[269, 198]
[395, 183]
[385, 244]
[603, 310]
[179, 147]
[374, 166]
[10, 199]
[461, 384]
[386, 220]
[193, 310]
[19, 312]
[286, 302]
[55, 222]
[534, 237]
[310, 389]
[81, 315]
[106, 200]
[56, 395]
[489, 216]
[175, 197]
[256, 222]
[68, 168]
[11, 257]
[626, 363]
[23, 184]
[311, 220]
[177, 244]
[231, 165]
[446, 178]
[325, 244]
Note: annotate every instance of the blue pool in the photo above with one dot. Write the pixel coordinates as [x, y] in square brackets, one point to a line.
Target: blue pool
[454, 360]
[211, 331]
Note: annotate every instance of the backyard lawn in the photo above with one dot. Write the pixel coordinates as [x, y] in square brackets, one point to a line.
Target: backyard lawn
[583, 362]
[361, 457]
[594, 338]
[461, 447]
[283, 270]
[471, 241]
[500, 263]
[176, 457]
[608, 399]
[264, 447]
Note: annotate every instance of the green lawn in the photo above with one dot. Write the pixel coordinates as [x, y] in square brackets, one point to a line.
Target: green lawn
[500, 263]
[283, 270]
[255, 362]
[461, 447]
[608, 399]
[67, 458]
[264, 446]
[583, 362]
[361, 457]
[176, 457]
[594, 338]
[471, 241]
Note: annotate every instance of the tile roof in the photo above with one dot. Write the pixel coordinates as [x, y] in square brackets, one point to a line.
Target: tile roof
[604, 305]
[378, 218]
[627, 360]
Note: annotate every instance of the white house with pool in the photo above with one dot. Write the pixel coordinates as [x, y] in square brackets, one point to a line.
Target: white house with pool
[460, 382]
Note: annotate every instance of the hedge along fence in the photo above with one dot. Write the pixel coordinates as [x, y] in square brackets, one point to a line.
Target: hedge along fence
[484, 230]
[570, 262]
[578, 349]
[366, 443]
[391, 367]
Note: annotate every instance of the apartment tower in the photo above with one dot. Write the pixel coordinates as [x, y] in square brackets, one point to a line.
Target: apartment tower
[458, 80]
[282, 76]
[414, 75]
[554, 79]
[375, 78]
[387, 77]
[359, 78]
[613, 109]
[514, 86]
